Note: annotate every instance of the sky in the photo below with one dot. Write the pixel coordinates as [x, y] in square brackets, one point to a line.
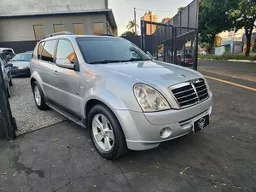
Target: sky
[123, 10]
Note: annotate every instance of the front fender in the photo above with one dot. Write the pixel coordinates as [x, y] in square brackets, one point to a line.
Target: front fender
[105, 96]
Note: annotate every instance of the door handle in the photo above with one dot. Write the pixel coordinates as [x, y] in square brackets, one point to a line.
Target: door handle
[55, 72]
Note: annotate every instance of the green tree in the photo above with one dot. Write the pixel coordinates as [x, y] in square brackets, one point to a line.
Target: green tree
[181, 9]
[243, 15]
[131, 25]
[128, 33]
[213, 19]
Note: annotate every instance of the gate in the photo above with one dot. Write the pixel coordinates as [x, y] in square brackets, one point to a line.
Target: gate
[175, 41]
[172, 44]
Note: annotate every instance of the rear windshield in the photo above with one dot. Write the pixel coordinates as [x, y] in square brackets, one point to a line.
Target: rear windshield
[104, 49]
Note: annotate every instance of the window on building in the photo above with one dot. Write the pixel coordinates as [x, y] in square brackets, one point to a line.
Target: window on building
[39, 32]
[58, 28]
[48, 50]
[65, 51]
[98, 28]
[78, 29]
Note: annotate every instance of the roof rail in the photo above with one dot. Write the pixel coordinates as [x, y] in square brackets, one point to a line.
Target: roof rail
[105, 34]
[59, 33]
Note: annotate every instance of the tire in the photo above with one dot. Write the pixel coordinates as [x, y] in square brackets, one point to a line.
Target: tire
[8, 91]
[39, 96]
[11, 83]
[113, 133]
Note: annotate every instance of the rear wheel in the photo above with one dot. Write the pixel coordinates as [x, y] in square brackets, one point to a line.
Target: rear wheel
[39, 96]
[106, 133]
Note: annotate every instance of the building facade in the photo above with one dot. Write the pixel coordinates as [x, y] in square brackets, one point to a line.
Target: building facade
[149, 16]
[23, 24]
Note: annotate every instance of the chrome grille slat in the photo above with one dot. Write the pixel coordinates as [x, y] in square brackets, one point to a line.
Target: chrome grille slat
[203, 95]
[186, 96]
[202, 90]
[183, 91]
[199, 86]
[189, 100]
[190, 93]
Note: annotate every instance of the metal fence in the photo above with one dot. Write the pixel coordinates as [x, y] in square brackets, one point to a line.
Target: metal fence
[175, 41]
[172, 44]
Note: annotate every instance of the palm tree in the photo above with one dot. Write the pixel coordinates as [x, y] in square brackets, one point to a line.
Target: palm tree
[131, 25]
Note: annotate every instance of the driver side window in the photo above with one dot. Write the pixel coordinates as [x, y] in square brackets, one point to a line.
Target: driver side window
[65, 51]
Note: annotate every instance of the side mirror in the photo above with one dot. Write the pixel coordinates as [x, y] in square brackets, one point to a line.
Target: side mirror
[65, 63]
[9, 65]
[151, 56]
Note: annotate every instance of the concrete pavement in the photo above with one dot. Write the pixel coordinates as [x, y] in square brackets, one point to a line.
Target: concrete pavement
[219, 158]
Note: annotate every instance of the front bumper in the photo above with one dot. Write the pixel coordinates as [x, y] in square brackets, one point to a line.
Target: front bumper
[20, 72]
[142, 130]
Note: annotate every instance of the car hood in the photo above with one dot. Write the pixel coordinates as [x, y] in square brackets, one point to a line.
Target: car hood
[153, 72]
[20, 63]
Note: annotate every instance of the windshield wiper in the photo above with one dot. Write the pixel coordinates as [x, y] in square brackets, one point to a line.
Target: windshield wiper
[105, 61]
[135, 59]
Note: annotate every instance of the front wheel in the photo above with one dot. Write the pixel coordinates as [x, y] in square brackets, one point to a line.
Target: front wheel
[106, 133]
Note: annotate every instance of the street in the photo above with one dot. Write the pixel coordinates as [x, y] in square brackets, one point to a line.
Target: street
[61, 157]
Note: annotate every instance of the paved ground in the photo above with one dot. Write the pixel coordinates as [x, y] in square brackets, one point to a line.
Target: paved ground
[220, 158]
[245, 71]
[24, 110]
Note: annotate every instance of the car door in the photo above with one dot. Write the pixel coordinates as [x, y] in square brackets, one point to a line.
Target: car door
[2, 65]
[66, 81]
[45, 67]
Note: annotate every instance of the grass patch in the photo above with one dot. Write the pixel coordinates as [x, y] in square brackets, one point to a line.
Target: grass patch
[228, 56]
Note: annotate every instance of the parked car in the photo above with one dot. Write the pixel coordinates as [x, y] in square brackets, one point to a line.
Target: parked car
[6, 73]
[21, 64]
[125, 99]
[9, 52]
[185, 59]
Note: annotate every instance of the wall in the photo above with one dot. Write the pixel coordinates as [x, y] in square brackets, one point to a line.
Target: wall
[29, 7]
[21, 29]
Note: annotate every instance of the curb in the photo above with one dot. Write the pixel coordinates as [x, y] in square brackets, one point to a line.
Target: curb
[231, 60]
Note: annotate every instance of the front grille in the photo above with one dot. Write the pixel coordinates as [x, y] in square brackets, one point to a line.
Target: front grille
[190, 93]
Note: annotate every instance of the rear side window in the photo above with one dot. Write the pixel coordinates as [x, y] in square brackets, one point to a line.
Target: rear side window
[48, 50]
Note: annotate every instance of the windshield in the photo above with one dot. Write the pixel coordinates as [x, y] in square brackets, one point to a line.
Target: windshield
[22, 57]
[107, 50]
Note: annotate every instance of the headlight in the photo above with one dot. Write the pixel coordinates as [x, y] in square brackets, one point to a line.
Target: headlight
[23, 67]
[149, 98]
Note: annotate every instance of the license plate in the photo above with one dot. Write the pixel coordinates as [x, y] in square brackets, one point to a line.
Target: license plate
[201, 123]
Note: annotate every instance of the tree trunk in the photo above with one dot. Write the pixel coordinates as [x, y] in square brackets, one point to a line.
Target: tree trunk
[211, 43]
[248, 34]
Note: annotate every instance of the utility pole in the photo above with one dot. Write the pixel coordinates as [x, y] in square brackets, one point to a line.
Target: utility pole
[135, 21]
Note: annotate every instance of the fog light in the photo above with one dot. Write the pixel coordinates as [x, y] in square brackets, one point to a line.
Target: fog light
[165, 132]
[210, 111]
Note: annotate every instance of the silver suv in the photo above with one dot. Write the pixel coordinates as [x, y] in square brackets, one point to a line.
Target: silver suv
[125, 98]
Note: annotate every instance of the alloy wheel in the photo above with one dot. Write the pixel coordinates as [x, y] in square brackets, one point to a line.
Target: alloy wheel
[103, 132]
